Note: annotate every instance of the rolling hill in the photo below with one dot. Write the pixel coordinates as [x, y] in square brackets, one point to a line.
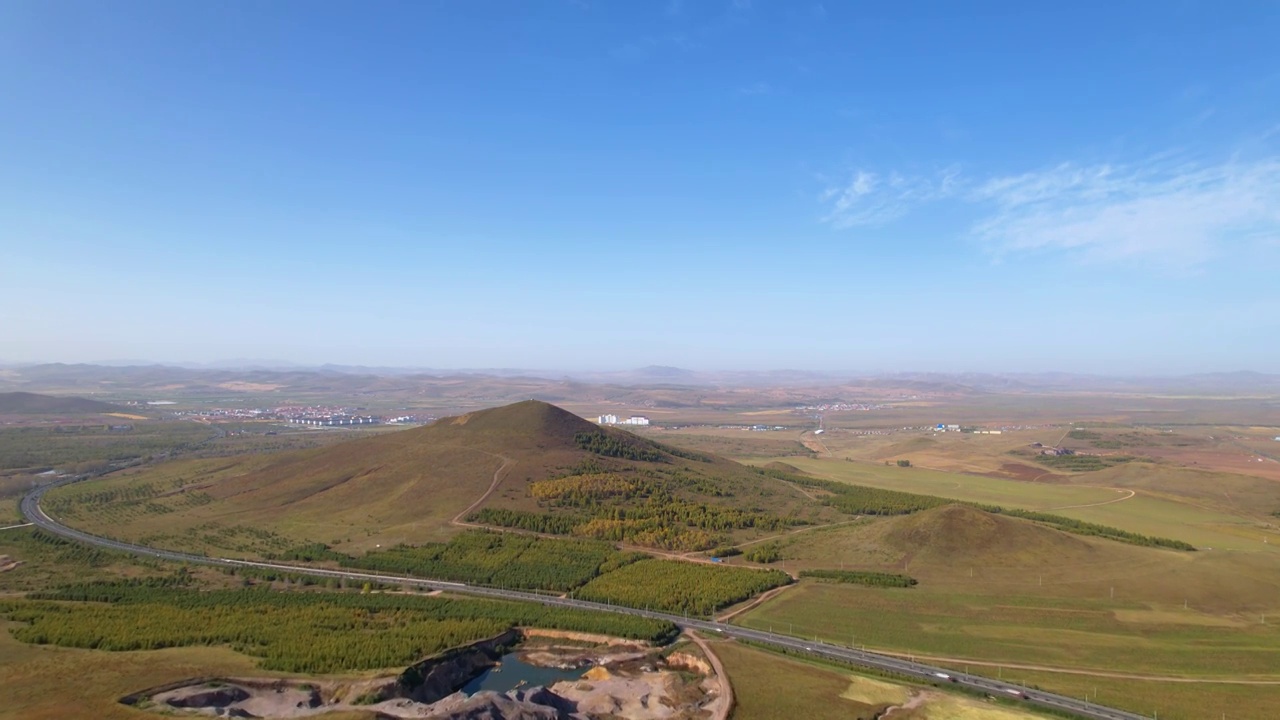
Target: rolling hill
[25, 403]
[961, 540]
[529, 465]
[964, 534]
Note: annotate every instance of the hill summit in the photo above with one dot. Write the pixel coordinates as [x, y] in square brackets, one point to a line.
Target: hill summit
[542, 423]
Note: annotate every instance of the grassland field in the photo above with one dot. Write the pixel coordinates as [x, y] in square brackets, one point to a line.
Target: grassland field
[769, 685]
[1172, 700]
[1084, 635]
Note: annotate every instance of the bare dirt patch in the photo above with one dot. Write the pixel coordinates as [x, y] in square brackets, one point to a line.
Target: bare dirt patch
[238, 386]
[1028, 473]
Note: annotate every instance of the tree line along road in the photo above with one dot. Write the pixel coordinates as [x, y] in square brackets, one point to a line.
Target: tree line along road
[30, 507]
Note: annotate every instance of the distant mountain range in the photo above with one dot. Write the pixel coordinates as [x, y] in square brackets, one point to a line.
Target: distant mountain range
[659, 384]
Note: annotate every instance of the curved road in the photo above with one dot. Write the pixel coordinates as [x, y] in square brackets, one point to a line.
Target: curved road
[31, 509]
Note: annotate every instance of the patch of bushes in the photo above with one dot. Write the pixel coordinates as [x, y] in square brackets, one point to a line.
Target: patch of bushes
[764, 554]
[861, 577]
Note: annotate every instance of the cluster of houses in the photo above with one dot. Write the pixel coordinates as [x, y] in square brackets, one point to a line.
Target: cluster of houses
[613, 420]
[337, 420]
[956, 428]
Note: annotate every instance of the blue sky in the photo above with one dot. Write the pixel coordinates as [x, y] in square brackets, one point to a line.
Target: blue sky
[1010, 186]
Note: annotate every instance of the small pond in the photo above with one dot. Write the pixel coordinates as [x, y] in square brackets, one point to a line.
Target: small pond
[508, 675]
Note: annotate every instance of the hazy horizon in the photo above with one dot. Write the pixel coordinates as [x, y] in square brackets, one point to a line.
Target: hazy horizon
[1003, 187]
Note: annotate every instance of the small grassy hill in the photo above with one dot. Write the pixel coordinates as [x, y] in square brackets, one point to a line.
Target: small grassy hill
[25, 403]
[966, 535]
[530, 466]
[955, 541]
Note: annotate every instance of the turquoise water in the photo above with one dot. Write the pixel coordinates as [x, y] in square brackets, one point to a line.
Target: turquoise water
[512, 671]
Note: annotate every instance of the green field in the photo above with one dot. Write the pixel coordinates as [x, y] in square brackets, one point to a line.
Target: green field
[1167, 700]
[1092, 634]
[768, 685]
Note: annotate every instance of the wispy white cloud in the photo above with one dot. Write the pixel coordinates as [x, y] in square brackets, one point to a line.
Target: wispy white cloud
[756, 88]
[870, 198]
[1158, 211]
[1171, 214]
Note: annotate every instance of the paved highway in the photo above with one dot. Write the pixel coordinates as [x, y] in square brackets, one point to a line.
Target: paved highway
[31, 509]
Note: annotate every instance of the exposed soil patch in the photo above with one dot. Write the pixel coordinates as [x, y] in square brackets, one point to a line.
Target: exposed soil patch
[7, 563]
[1028, 473]
[239, 386]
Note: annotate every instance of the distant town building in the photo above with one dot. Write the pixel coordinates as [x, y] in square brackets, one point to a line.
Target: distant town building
[338, 421]
[613, 420]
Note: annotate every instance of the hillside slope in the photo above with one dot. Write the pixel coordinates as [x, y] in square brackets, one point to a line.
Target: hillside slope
[25, 403]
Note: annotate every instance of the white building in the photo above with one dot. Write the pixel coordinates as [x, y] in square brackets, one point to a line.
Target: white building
[607, 420]
[637, 420]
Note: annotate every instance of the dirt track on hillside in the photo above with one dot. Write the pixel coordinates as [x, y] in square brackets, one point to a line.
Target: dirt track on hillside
[497, 480]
